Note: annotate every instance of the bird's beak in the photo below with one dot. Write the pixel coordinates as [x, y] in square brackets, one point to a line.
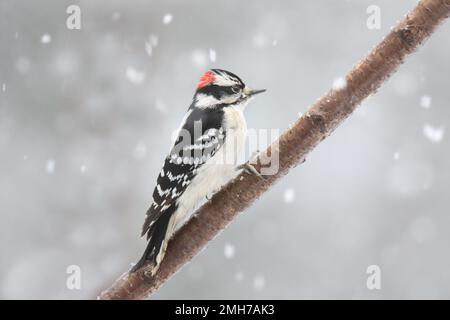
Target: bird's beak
[252, 92]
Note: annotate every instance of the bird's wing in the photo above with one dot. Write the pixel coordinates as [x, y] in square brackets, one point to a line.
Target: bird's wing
[188, 154]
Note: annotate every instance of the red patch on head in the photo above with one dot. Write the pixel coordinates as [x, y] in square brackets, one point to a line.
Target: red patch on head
[206, 79]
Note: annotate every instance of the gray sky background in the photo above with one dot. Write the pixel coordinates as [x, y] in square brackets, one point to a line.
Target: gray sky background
[86, 118]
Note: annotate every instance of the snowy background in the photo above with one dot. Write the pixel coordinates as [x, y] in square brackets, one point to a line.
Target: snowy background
[86, 118]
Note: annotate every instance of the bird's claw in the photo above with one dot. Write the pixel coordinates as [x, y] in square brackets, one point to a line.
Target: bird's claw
[250, 169]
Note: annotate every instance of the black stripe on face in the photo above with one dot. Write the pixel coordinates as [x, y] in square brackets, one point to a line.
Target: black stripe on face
[218, 92]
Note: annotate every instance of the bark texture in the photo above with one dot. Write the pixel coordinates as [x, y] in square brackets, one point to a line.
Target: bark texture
[292, 146]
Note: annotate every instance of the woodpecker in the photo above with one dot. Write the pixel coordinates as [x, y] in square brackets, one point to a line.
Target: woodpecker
[203, 158]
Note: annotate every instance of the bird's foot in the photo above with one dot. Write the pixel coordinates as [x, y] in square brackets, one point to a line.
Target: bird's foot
[250, 169]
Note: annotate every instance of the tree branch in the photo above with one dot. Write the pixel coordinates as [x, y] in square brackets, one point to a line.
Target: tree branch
[293, 146]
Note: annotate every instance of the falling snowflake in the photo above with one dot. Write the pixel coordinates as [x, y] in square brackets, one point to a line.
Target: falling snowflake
[135, 77]
[168, 17]
[4, 87]
[199, 58]
[260, 41]
[46, 38]
[425, 102]
[289, 195]
[259, 282]
[229, 251]
[50, 166]
[434, 134]
[116, 16]
[23, 65]
[212, 55]
[239, 276]
[160, 105]
[339, 83]
[396, 155]
[83, 168]
[274, 43]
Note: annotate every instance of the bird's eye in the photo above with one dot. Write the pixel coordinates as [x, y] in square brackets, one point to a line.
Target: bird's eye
[235, 89]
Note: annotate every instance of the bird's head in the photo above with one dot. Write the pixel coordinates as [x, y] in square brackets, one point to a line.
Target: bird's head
[222, 88]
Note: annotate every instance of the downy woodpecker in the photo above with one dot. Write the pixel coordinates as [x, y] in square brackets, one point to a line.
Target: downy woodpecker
[203, 158]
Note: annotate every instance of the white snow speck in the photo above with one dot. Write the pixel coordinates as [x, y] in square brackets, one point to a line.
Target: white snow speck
[140, 151]
[425, 102]
[199, 58]
[259, 282]
[50, 166]
[229, 251]
[274, 43]
[160, 105]
[259, 41]
[116, 16]
[151, 43]
[46, 38]
[339, 83]
[83, 168]
[300, 114]
[434, 134]
[168, 17]
[289, 195]
[423, 229]
[239, 276]
[212, 55]
[135, 76]
[4, 87]
[23, 65]
[396, 155]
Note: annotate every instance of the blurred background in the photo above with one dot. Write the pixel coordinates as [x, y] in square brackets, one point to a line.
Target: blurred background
[86, 118]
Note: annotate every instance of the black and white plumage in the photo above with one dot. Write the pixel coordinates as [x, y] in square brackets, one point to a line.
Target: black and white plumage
[203, 158]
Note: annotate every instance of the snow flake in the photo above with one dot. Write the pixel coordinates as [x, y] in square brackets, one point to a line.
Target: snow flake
[229, 251]
[135, 76]
[116, 16]
[289, 195]
[425, 102]
[83, 168]
[339, 83]
[50, 166]
[168, 17]
[212, 55]
[259, 40]
[140, 151]
[396, 155]
[151, 43]
[259, 282]
[161, 106]
[23, 65]
[46, 38]
[423, 229]
[434, 134]
[4, 87]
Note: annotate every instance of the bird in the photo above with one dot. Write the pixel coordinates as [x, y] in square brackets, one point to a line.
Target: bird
[202, 159]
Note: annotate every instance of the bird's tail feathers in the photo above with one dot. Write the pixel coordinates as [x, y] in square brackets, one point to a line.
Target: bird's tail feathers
[158, 235]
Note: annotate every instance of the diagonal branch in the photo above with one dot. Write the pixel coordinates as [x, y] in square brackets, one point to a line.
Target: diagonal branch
[293, 146]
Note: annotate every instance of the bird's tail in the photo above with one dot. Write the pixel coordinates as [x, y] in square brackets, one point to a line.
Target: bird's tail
[158, 234]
